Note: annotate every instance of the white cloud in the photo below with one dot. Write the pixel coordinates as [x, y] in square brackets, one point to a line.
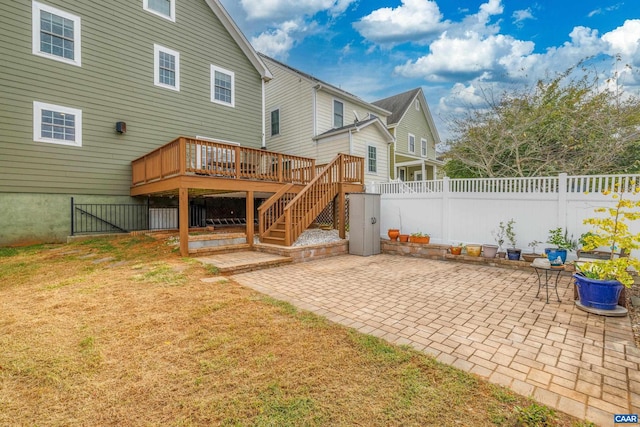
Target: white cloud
[625, 40]
[519, 16]
[279, 41]
[283, 9]
[471, 56]
[413, 20]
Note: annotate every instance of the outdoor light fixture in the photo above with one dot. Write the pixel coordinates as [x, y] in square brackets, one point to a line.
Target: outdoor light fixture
[121, 127]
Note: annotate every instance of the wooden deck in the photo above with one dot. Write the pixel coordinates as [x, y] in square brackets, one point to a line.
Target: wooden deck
[190, 167]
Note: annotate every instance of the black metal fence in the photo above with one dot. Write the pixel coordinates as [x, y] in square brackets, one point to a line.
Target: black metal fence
[89, 218]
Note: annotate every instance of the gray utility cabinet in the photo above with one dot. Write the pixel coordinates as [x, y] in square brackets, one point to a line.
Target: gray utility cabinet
[364, 224]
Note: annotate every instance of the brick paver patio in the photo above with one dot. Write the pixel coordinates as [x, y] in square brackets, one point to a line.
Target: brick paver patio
[483, 320]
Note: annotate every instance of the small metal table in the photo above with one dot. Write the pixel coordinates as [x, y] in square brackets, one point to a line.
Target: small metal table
[543, 278]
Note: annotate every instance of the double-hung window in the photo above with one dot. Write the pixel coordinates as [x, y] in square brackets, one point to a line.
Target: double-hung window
[423, 143]
[163, 8]
[275, 122]
[166, 71]
[412, 144]
[56, 124]
[338, 114]
[55, 34]
[372, 159]
[222, 86]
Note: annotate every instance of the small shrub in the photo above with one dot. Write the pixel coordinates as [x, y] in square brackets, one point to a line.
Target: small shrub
[534, 415]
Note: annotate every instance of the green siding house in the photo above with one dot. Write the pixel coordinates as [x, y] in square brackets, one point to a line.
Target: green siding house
[414, 152]
[88, 86]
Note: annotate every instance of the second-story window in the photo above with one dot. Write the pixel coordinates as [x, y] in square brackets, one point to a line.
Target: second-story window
[412, 144]
[166, 71]
[222, 86]
[338, 114]
[423, 143]
[163, 8]
[275, 122]
[56, 34]
[372, 159]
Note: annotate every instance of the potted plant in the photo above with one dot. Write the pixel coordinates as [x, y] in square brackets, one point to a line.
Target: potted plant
[456, 249]
[419, 238]
[490, 251]
[512, 253]
[562, 244]
[473, 249]
[529, 257]
[393, 234]
[600, 282]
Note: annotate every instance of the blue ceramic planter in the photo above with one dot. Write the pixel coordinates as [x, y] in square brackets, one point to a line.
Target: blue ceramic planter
[601, 294]
[553, 254]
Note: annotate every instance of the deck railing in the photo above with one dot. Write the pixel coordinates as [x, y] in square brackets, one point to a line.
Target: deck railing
[209, 158]
[308, 204]
[297, 211]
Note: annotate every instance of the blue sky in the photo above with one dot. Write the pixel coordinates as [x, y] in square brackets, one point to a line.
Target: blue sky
[454, 50]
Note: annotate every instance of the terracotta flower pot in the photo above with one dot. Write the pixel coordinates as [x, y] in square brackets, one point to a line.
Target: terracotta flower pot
[420, 239]
[455, 250]
[393, 234]
[404, 238]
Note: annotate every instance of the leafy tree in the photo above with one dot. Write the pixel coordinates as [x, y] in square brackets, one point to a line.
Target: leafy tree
[564, 124]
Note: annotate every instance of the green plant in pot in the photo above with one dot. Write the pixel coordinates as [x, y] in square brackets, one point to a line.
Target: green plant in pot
[512, 253]
[600, 282]
[529, 257]
[562, 245]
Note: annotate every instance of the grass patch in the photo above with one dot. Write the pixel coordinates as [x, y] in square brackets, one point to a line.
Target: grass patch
[89, 344]
[161, 273]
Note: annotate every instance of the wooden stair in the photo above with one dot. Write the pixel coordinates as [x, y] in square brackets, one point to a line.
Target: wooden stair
[285, 215]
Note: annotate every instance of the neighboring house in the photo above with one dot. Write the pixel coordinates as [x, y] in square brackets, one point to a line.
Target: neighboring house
[413, 156]
[308, 117]
[89, 86]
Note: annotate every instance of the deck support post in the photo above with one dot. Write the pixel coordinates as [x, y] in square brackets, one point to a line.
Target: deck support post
[250, 217]
[183, 214]
[341, 214]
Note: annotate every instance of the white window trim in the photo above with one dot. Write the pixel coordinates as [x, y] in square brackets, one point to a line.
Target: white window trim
[417, 105]
[35, 33]
[156, 67]
[409, 143]
[215, 68]
[368, 159]
[424, 148]
[37, 123]
[333, 113]
[171, 17]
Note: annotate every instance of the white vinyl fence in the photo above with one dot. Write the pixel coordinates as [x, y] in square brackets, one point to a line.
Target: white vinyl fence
[468, 210]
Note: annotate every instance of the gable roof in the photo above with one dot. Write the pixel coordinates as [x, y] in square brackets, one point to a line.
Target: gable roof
[397, 104]
[319, 84]
[357, 126]
[239, 38]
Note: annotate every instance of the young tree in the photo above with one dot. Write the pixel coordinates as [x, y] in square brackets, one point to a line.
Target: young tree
[565, 124]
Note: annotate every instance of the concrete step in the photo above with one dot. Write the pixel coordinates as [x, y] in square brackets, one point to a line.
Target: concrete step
[218, 249]
[243, 261]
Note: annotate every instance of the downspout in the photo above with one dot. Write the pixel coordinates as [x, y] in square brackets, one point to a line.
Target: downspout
[350, 143]
[315, 110]
[264, 114]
